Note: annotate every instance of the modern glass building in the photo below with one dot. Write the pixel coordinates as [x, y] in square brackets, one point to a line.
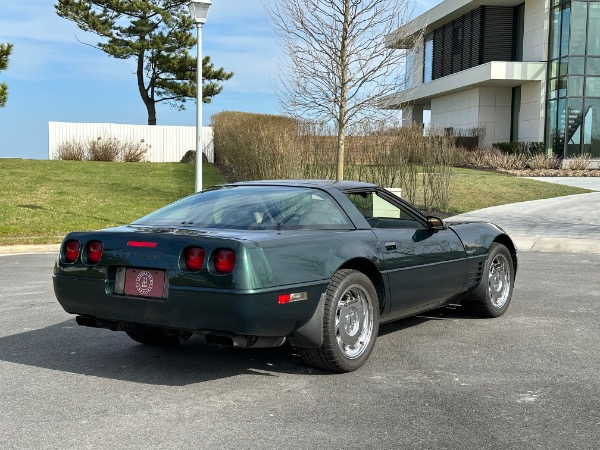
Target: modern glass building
[573, 101]
[525, 71]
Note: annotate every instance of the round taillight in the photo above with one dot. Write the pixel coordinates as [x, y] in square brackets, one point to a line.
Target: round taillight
[224, 260]
[71, 251]
[94, 252]
[194, 258]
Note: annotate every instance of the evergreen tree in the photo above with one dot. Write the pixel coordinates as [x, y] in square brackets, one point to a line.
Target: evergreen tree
[5, 50]
[157, 35]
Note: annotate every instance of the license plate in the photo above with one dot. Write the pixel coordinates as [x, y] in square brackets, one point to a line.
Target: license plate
[145, 283]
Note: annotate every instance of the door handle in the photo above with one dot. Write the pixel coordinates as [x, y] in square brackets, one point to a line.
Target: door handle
[390, 245]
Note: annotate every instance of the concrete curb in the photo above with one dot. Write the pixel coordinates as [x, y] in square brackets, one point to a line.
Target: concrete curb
[556, 244]
[28, 249]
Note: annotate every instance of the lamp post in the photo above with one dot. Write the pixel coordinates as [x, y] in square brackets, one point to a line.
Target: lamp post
[199, 12]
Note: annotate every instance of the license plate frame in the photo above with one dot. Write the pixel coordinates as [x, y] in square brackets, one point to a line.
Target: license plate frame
[147, 283]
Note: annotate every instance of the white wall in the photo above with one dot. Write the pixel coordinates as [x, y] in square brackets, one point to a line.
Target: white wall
[532, 114]
[167, 143]
[487, 107]
[535, 30]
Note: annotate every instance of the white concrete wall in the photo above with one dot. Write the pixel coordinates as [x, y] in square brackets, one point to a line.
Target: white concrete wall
[495, 113]
[487, 107]
[412, 115]
[532, 113]
[459, 110]
[418, 67]
[535, 27]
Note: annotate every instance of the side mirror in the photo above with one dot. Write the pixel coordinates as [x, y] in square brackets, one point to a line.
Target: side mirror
[436, 223]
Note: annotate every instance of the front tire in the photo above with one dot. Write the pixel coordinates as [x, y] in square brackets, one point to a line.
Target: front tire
[492, 297]
[159, 338]
[350, 324]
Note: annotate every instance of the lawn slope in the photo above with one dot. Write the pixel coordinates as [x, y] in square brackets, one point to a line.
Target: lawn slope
[43, 200]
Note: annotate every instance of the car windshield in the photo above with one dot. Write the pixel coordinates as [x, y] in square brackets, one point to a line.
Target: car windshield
[253, 207]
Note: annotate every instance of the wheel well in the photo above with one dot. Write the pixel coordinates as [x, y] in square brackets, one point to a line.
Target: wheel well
[508, 243]
[369, 269]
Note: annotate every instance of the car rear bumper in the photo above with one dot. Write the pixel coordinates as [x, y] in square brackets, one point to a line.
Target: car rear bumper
[201, 310]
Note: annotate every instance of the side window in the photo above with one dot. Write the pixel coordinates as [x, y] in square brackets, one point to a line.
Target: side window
[380, 213]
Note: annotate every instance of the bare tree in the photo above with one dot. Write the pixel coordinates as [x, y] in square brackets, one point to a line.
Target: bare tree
[338, 68]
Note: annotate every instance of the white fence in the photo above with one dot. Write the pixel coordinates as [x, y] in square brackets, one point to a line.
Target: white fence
[166, 143]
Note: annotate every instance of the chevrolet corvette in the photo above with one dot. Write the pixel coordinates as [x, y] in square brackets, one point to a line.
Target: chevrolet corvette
[319, 264]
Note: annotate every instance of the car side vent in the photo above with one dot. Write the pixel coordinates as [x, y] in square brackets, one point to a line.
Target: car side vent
[475, 273]
[480, 267]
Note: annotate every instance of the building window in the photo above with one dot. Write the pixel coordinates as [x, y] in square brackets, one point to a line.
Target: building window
[592, 128]
[573, 94]
[428, 59]
[593, 37]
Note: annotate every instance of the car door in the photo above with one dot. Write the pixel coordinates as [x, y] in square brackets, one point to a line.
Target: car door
[425, 266]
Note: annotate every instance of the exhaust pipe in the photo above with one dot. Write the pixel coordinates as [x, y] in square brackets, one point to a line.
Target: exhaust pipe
[241, 341]
[86, 321]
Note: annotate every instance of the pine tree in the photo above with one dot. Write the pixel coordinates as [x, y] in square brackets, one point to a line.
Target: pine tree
[157, 35]
[5, 50]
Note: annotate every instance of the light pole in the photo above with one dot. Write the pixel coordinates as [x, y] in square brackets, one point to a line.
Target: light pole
[199, 12]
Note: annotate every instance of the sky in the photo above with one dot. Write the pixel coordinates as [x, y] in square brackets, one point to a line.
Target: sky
[54, 77]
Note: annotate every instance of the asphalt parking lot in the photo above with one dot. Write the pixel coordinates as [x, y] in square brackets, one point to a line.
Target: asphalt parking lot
[442, 381]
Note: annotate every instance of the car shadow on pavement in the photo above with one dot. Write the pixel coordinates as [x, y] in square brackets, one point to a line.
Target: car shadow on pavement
[450, 312]
[66, 347]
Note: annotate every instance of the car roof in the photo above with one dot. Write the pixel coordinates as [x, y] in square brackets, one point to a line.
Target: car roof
[320, 184]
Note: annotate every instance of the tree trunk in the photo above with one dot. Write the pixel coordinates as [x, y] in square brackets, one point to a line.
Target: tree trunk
[151, 108]
[147, 99]
[341, 141]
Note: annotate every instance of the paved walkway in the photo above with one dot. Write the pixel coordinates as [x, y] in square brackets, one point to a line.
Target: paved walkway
[562, 224]
[591, 183]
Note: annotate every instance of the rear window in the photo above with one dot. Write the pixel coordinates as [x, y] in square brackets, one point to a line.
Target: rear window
[253, 208]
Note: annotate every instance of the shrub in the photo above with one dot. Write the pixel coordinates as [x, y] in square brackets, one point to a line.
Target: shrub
[259, 146]
[491, 158]
[541, 161]
[506, 161]
[520, 148]
[110, 149]
[103, 149]
[134, 151]
[511, 148]
[71, 151]
[580, 162]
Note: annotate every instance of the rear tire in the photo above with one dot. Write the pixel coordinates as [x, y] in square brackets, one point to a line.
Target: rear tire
[159, 338]
[492, 297]
[350, 324]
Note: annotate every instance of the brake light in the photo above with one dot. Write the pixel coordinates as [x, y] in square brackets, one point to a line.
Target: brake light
[142, 244]
[194, 258]
[72, 251]
[224, 260]
[94, 252]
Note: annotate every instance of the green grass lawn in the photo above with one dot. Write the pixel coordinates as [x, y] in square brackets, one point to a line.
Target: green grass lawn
[43, 200]
[475, 189]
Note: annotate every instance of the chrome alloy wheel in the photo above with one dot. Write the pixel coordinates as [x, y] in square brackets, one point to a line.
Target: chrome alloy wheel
[499, 281]
[354, 321]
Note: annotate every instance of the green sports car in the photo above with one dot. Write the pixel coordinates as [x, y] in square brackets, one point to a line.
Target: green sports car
[317, 263]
